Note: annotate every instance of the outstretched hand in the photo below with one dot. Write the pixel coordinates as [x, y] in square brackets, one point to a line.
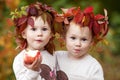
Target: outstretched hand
[35, 65]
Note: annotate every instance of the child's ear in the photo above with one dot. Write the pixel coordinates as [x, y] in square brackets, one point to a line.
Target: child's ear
[23, 35]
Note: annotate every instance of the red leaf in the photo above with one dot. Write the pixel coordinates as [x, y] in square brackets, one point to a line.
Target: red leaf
[30, 22]
[75, 11]
[59, 19]
[96, 28]
[21, 20]
[99, 17]
[78, 18]
[86, 20]
[32, 11]
[91, 25]
[88, 10]
[22, 27]
[68, 12]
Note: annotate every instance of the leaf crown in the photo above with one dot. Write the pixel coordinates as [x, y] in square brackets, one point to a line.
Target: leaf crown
[21, 16]
[98, 24]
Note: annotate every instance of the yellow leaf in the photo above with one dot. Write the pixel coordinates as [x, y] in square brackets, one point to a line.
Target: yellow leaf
[57, 35]
[105, 42]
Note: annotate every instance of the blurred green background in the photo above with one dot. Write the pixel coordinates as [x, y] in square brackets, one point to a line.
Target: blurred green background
[108, 55]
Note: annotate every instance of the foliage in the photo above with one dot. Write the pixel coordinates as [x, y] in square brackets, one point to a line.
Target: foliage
[108, 56]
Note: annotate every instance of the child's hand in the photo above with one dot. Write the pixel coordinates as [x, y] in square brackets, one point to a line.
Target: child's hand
[32, 59]
[35, 65]
[30, 56]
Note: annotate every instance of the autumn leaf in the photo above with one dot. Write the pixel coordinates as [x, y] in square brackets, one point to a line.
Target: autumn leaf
[30, 22]
[99, 17]
[88, 9]
[68, 12]
[96, 28]
[9, 22]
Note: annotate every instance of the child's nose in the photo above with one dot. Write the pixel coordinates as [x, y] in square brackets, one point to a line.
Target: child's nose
[39, 33]
[78, 43]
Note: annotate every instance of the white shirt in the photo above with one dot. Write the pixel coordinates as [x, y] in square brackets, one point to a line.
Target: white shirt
[23, 73]
[85, 68]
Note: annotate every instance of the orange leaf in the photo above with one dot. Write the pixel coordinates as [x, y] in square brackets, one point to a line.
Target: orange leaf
[9, 22]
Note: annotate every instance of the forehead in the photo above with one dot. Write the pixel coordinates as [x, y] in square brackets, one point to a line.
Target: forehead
[77, 30]
[38, 21]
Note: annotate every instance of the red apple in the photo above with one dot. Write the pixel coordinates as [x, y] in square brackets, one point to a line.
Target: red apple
[30, 56]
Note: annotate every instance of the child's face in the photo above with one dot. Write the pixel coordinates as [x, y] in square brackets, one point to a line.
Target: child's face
[78, 40]
[39, 35]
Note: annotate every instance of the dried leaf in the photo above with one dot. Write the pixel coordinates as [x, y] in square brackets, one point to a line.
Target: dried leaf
[30, 22]
[59, 19]
[66, 21]
[32, 11]
[22, 20]
[68, 12]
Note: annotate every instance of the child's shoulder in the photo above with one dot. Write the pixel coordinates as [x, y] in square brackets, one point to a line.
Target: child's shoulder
[20, 54]
[93, 61]
[61, 55]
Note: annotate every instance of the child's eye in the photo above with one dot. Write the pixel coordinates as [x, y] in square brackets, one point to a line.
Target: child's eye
[33, 29]
[84, 39]
[73, 38]
[44, 29]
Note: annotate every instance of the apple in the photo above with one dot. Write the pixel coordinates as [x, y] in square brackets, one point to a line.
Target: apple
[30, 56]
